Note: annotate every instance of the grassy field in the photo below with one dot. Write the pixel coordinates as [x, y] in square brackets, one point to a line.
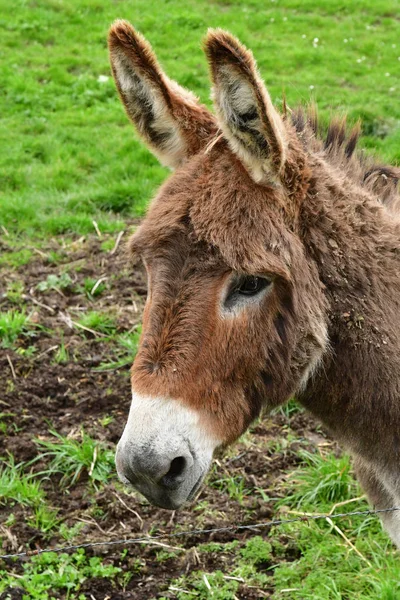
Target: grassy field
[73, 176]
[69, 153]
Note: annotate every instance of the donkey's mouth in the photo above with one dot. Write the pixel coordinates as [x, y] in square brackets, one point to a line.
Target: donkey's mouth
[195, 489]
[163, 498]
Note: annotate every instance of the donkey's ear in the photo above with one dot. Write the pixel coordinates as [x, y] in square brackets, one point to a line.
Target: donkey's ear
[245, 112]
[168, 117]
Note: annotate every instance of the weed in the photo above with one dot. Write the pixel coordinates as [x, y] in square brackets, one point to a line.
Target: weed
[107, 245]
[54, 257]
[164, 556]
[27, 352]
[257, 551]
[59, 283]
[70, 533]
[17, 486]
[13, 324]
[5, 418]
[14, 292]
[322, 480]
[44, 518]
[235, 487]
[219, 547]
[127, 345]
[206, 585]
[72, 458]
[53, 572]
[97, 321]
[93, 287]
[15, 258]
[289, 409]
[106, 420]
[11, 520]
[62, 354]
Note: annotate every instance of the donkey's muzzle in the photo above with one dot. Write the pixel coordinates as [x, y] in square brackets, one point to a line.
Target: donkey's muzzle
[165, 450]
[166, 481]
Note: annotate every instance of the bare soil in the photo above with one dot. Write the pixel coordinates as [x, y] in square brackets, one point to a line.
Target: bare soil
[39, 394]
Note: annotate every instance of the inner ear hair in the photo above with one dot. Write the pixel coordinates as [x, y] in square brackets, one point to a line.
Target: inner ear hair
[244, 108]
[169, 118]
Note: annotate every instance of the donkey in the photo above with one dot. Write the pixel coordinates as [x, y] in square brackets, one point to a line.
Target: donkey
[273, 262]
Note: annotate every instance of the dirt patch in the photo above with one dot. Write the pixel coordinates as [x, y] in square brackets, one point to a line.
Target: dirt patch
[41, 392]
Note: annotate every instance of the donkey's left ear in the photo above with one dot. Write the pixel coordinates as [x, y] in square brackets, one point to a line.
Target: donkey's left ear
[169, 118]
[246, 115]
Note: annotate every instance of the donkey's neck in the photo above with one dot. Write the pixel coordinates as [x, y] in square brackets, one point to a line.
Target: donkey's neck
[354, 243]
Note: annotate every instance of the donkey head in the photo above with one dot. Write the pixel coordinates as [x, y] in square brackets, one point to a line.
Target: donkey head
[235, 315]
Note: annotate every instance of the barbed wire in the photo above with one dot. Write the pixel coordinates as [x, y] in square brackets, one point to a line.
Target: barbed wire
[194, 532]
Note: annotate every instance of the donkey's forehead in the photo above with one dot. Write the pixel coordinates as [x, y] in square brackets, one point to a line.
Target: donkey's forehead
[212, 201]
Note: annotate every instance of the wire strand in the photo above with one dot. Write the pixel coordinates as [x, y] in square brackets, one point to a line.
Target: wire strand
[194, 532]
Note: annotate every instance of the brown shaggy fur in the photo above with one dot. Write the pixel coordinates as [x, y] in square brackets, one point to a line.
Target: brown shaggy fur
[272, 197]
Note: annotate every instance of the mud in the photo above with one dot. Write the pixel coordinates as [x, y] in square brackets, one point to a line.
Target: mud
[38, 393]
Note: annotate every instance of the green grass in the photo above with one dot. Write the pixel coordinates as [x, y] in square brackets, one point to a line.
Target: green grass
[234, 487]
[320, 563]
[125, 352]
[14, 292]
[328, 567]
[322, 479]
[93, 287]
[17, 486]
[61, 355]
[25, 489]
[48, 573]
[15, 258]
[97, 321]
[73, 458]
[73, 157]
[14, 324]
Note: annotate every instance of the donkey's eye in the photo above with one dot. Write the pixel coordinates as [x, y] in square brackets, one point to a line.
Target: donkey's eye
[245, 286]
[251, 285]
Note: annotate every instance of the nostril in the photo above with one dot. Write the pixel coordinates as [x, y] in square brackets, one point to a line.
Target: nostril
[177, 466]
[176, 469]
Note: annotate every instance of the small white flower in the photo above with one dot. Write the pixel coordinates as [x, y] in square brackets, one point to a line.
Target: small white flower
[102, 78]
[316, 40]
[368, 27]
[272, 19]
[304, 37]
[285, 18]
[311, 87]
[387, 74]
[359, 60]
[392, 89]
[345, 40]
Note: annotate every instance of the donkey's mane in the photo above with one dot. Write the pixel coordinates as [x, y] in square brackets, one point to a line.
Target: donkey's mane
[338, 143]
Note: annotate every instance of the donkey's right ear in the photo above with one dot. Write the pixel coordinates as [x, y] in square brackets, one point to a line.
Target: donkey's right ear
[168, 117]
